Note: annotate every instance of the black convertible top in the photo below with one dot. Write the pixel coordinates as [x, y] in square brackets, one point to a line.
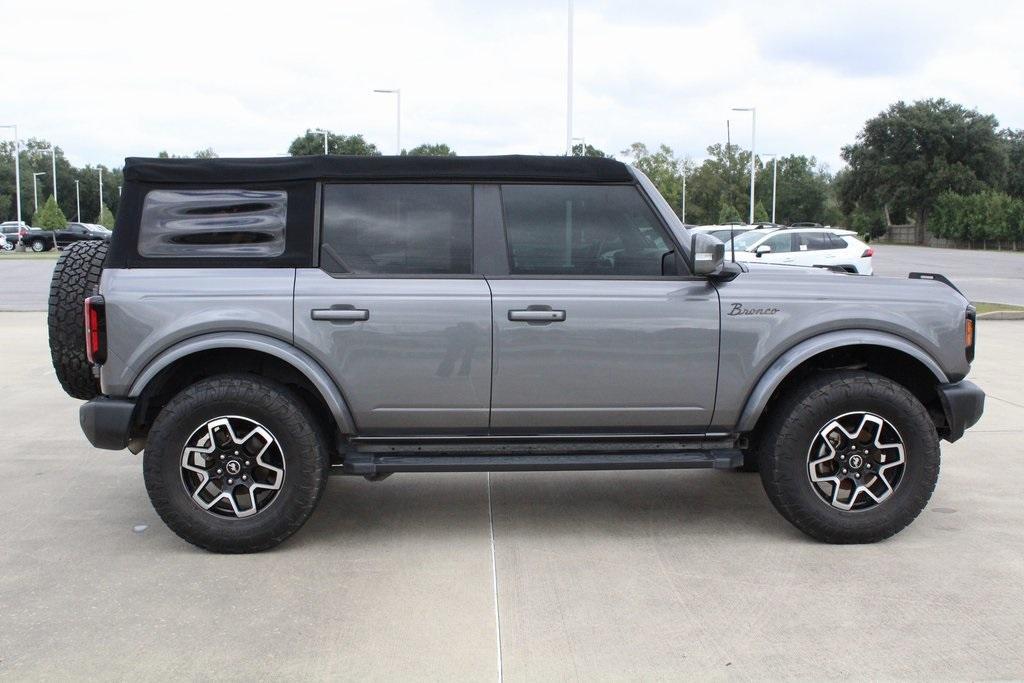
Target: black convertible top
[279, 169]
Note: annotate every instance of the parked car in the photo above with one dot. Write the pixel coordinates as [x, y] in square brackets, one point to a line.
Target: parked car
[820, 247]
[10, 230]
[254, 325]
[37, 239]
[4, 244]
[723, 232]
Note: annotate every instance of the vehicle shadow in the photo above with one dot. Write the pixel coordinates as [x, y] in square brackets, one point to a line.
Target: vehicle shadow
[441, 507]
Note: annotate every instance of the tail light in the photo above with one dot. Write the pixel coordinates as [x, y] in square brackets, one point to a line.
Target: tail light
[95, 330]
[969, 339]
[868, 253]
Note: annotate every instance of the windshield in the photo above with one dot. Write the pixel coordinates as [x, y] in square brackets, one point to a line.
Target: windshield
[747, 239]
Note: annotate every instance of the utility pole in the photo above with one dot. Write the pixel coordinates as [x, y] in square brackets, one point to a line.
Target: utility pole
[78, 204]
[684, 198]
[753, 153]
[728, 136]
[100, 171]
[35, 190]
[53, 168]
[568, 88]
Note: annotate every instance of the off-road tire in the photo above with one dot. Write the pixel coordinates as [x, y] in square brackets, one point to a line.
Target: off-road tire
[806, 409]
[75, 277]
[266, 402]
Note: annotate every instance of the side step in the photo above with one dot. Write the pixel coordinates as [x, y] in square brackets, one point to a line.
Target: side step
[371, 464]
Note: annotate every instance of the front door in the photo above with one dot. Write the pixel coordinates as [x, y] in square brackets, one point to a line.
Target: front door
[588, 334]
[394, 312]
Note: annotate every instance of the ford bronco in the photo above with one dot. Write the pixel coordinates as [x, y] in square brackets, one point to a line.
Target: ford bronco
[255, 325]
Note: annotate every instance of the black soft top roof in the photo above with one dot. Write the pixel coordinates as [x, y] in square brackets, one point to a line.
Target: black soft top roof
[278, 169]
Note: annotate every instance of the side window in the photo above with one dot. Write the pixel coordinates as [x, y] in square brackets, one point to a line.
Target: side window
[398, 229]
[581, 230]
[837, 241]
[781, 243]
[213, 223]
[815, 241]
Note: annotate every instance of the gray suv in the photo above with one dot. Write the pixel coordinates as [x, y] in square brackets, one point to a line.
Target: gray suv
[255, 325]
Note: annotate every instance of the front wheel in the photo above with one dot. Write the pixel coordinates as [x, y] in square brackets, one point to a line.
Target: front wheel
[849, 457]
[235, 463]
[38, 246]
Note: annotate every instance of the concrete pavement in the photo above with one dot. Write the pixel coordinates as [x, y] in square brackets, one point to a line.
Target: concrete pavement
[608, 575]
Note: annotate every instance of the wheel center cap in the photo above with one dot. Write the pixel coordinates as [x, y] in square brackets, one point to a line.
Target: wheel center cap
[233, 467]
[856, 461]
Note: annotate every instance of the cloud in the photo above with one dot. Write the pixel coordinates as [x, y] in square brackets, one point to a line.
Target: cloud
[123, 78]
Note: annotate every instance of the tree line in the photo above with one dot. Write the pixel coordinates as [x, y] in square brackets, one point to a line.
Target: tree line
[933, 163]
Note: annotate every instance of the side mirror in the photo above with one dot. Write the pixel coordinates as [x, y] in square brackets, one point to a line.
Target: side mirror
[761, 250]
[708, 254]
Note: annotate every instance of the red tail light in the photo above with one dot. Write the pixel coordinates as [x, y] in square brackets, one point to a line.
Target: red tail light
[869, 252]
[95, 332]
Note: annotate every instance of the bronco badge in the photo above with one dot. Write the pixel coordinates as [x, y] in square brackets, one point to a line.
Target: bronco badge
[737, 309]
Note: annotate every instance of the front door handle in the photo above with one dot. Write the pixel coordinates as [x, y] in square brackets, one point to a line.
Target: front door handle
[340, 314]
[537, 315]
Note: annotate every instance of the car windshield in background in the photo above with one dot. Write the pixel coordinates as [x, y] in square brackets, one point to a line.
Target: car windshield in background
[748, 239]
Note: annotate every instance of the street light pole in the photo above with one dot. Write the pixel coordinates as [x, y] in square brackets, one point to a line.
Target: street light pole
[78, 204]
[53, 168]
[684, 198]
[324, 133]
[753, 152]
[100, 171]
[568, 87]
[397, 92]
[775, 169]
[35, 191]
[17, 172]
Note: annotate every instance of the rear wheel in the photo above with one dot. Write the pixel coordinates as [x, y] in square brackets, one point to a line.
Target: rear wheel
[235, 464]
[849, 457]
[38, 246]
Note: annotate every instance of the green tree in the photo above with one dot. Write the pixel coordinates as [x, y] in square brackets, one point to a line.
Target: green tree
[438, 149]
[910, 154]
[802, 189]
[870, 223]
[207, 153]
[312, 143]
[1014, 143]
[105, 218]
[662, 167]
[720, 180]
[582, 149]
[760, 214]
[728, 213]
[49, 216]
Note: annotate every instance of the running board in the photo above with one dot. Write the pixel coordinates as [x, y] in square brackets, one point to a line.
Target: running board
[371, 464]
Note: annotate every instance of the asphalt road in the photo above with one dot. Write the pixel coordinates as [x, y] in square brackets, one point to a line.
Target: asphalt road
[605, 575]
[992, 276]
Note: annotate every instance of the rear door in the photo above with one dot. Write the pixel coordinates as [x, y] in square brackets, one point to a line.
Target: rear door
[589, 336]
[394, 312]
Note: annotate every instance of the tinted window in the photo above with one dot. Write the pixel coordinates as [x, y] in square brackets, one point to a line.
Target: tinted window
[780, 243]
[581, 230]
[210, 223]
[398, 229]
[815, 241]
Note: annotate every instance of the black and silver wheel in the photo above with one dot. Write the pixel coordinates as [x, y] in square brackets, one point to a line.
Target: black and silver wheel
[849, 457]
[38, 246]
[235, 463]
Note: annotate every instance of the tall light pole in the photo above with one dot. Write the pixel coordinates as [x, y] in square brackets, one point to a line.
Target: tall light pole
[78, 204]
[100, 171]
[324, 133]
[753, 147]
[775, 172]
[568, 88]
[683, 211]
[17, 171]
[53, 167]
[35, 191]
[397, 92]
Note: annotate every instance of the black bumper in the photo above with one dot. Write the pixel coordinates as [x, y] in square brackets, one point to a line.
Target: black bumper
[963, 403]
[107, 422]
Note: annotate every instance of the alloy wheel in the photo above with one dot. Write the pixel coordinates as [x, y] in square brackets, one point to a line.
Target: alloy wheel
[856, 461]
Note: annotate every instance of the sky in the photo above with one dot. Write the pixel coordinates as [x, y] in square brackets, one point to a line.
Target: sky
[106, 80]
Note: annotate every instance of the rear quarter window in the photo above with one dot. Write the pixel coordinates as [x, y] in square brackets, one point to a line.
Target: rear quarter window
[213, 223]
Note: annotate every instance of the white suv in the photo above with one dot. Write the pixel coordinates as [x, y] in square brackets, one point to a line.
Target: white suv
[803, 247]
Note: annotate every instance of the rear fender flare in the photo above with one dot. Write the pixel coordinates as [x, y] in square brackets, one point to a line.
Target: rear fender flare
[301, 361]
[791, 359]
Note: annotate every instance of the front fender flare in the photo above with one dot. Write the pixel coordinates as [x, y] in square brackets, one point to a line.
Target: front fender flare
[254, 342]
[788, 361]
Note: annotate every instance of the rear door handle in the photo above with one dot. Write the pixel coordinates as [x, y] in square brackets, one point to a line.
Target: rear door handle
[340, 314]
[534, 315]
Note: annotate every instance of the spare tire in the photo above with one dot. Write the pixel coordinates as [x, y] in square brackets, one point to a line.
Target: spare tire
[75, 277]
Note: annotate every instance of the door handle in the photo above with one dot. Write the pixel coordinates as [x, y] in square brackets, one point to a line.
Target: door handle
[535, 315]
[340, 314]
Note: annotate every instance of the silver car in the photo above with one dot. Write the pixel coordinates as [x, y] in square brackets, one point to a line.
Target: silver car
[255, 325]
